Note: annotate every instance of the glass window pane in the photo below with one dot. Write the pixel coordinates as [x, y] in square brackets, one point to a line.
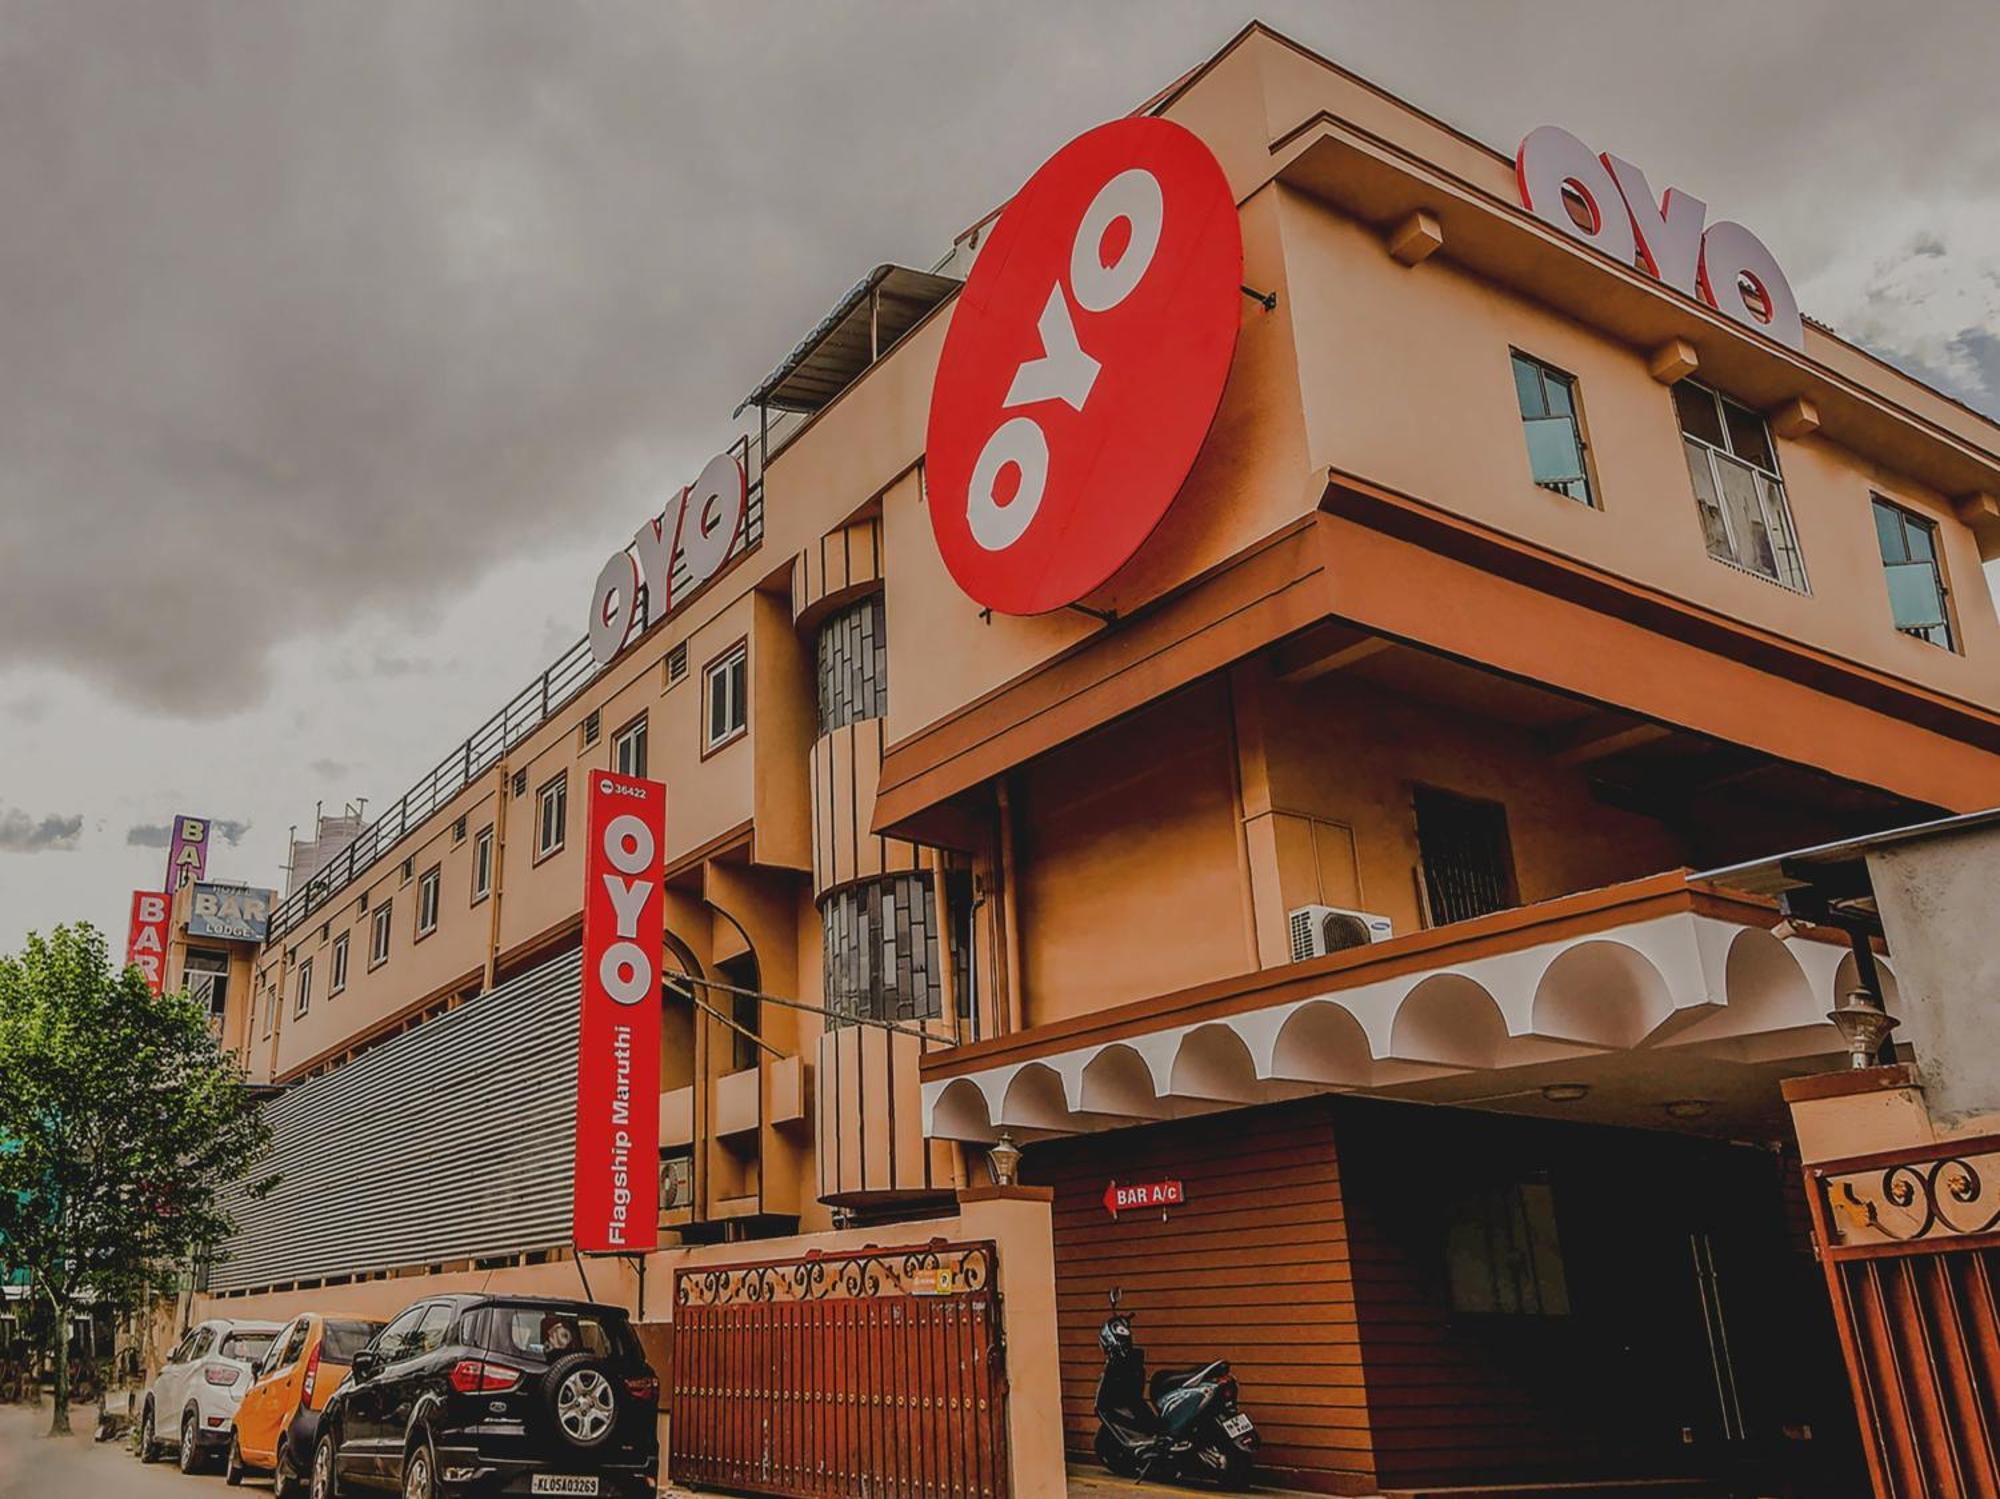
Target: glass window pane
[1715, 530]
[1889, 533]
[1528, 387]
[1556, 388]
[1748, 438]
[1553, 452]
[1695, 404]
[1743, 504]
[1918, 536]
[1914, 598]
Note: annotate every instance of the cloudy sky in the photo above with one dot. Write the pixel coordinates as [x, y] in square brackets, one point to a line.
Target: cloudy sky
[342, 341]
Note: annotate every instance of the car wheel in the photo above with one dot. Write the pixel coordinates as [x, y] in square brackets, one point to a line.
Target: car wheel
[285, 1481]
[325, 1477]
[232, 1468]
[583, 1399]
[188, 1459]
[149, 1447]
[420, 1470]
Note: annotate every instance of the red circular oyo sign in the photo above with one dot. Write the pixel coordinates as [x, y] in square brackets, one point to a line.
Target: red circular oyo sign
[1084, 364]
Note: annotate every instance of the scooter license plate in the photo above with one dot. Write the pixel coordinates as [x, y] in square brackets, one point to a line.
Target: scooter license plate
[1237, 1425]
[561, 1483]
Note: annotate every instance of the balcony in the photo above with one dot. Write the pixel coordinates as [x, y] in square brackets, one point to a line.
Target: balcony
[1661, 1002]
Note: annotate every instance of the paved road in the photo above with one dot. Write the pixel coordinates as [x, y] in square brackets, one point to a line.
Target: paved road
[36, 1466]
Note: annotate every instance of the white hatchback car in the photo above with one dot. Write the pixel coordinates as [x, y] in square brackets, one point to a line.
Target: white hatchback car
[196, 1392]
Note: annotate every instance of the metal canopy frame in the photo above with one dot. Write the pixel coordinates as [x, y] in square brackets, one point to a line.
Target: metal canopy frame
[877, 311]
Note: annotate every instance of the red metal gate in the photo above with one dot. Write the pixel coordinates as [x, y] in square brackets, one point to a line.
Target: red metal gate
[875, 1375]
[1911, 1242]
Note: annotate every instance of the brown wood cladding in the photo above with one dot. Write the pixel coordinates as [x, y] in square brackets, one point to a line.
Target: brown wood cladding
[845, 766]
[1253, 1268]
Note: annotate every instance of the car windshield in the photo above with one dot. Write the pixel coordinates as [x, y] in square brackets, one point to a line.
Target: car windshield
[343, 1340]
[248, 1346]
[547, 1332]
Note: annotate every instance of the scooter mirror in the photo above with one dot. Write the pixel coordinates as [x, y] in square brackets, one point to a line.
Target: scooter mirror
[1115, 1293]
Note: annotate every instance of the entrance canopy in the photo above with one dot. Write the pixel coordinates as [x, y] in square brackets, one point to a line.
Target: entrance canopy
[1661, 1003]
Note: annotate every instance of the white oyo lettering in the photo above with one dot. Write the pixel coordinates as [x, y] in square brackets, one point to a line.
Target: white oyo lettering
[611, 606]
[1551, 163]
[628, 843]
[1133, 195]
[1064, 371]
[625, 974]
[1565, 185]
[994, 524]
[1741, 279]
[1667, 234]
[628, 901]
[653, 544]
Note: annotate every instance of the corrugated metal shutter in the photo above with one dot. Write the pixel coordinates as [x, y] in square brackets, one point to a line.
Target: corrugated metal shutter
[452, 1141]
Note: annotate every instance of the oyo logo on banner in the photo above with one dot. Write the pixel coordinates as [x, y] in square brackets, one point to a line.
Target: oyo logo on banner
[1085, 362]
[1607, 203]
[146, 936]
[187, 852]
[616, 1184]
[699, 528]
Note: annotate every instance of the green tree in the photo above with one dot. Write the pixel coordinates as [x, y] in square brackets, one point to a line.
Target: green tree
[123, 1122]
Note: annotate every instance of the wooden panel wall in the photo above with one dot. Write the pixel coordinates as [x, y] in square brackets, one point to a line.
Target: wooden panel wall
[1253, 1269]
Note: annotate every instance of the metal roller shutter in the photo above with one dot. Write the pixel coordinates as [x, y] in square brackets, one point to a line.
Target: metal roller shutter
[450, 1142]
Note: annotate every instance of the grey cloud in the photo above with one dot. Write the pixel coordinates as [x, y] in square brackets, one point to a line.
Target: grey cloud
[1928, 245]
[161, 834]
[329, 770]
[23, 833]
[318, 313]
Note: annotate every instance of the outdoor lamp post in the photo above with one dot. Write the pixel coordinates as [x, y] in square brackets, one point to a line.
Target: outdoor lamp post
[1864, 1024]
[1004, 1158]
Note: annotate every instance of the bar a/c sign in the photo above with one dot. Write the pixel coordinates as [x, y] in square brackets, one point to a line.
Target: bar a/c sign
[1160, 1194]
[616, 1184]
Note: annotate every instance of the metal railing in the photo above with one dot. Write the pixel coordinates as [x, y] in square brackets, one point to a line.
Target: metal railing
[487, 746]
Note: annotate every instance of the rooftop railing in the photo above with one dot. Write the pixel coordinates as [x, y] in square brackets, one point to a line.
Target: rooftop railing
[488, 745]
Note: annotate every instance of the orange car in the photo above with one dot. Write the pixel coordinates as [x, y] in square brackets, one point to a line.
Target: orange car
[275, 1423]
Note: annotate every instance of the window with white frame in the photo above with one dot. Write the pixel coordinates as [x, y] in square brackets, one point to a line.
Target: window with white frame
[1737, 487]
[339, 977]
[482, 864]
[378, 935]
[302, 993]
[628, 749]
[427, 901]
[551, 816]
[726, 687]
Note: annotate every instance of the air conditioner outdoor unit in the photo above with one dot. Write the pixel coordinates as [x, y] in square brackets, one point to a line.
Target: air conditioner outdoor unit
[676, 1182]
[1319, 930]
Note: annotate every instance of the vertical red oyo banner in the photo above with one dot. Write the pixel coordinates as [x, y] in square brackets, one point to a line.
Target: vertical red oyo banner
[146, 937]
[616, 1202]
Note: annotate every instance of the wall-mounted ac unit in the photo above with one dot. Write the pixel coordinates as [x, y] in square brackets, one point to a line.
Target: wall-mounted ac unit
[676, 1182]
[1319, 930]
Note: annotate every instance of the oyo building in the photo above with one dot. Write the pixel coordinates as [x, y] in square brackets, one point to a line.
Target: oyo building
[1222, 685]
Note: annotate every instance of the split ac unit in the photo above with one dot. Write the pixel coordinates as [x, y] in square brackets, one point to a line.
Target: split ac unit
[676, 1182]
[1319, 930]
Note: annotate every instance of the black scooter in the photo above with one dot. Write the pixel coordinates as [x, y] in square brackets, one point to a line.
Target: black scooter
[1185, 1426]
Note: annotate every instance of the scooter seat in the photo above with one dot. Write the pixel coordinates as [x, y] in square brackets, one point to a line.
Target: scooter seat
[1165, 1381]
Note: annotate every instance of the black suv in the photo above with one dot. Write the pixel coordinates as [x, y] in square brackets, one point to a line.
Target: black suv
[494, 1395]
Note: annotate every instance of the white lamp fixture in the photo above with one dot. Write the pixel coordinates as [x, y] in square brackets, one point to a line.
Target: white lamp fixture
[1003, 1158]
[1864, 1025]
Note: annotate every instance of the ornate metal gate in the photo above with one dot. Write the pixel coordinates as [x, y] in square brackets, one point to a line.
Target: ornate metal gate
[876, 1375]
[1912, 1251]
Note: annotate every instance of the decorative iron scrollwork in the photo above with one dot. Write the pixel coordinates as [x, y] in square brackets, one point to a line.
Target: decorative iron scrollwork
[931, 1270]
[1947, 1197]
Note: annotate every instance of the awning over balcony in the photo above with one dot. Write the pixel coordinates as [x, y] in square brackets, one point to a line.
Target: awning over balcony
[1649, 994]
